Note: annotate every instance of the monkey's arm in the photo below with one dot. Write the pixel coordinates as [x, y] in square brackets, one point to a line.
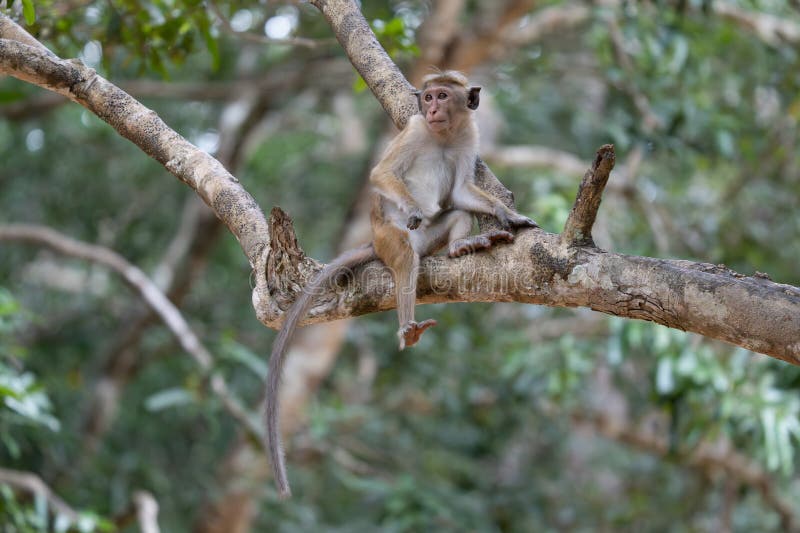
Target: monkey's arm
[389, 186]
[385, 177]
[472, 198]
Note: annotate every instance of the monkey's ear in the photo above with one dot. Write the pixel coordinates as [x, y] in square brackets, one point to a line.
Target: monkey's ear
[418, 94]
[473, 97]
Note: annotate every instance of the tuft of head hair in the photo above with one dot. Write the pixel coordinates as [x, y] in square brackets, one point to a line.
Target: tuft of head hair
[444, 77]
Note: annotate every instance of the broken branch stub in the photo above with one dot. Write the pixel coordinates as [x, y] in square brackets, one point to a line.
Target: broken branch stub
[578, 228]
[288, 268]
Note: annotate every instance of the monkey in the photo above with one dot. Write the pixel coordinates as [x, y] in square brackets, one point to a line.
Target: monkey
[424, 198]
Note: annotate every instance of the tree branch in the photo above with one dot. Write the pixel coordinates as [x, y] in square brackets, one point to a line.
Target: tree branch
[578, 228]
[33, 484]
[149, 292]
[771, 29]
[707, 456]
[146, 511]
[81, 84]
[714, 301]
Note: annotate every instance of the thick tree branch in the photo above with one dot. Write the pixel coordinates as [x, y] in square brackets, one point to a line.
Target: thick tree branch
[369, 58]
[714, 301]
[149, 292]
[81, 84]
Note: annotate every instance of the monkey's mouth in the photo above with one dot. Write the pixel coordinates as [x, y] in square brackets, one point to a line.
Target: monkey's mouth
[432, 122]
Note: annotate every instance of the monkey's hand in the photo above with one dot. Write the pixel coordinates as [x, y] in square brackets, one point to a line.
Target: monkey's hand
[414, 219]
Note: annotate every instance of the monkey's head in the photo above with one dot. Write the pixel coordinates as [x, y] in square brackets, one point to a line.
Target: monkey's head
[445, 101]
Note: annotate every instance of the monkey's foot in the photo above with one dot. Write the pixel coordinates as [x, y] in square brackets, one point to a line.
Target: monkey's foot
[412, 331]
[476, 243]
[521, 221]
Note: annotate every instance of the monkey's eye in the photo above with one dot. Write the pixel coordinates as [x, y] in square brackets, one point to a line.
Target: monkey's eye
[442, 96]
[428, 97]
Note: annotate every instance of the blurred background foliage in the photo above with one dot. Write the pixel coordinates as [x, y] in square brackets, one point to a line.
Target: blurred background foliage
[506, 417]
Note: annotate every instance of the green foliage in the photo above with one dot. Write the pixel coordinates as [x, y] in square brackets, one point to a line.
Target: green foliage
[396, 37]
[29, 11]
[25, 408]
[24, 402]
[23, 517]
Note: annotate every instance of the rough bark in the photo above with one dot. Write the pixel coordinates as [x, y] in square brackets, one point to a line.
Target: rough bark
[538, 268]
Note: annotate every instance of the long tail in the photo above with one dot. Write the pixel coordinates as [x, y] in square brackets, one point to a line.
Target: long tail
[348, 259]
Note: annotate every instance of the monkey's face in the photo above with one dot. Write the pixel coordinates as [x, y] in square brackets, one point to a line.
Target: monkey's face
[443, 107]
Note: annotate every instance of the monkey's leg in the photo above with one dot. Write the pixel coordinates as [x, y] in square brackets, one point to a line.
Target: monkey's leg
[476, 243]
[454, 228]
[393, 246]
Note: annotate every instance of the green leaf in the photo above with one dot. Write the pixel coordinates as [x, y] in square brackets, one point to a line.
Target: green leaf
[245, 357]
[168, 398]
[29, 12]
[359, 86]
[34, 407]
[211, 41]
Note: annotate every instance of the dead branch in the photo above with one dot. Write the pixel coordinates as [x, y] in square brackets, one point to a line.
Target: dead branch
[578, 228]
